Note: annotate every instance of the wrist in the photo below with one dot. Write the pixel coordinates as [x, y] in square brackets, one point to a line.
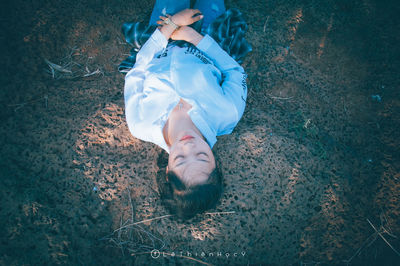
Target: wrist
[194, 37]
[167, 30]
[169, 21]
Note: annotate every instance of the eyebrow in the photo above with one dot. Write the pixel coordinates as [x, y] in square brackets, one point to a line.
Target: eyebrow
[201, 160]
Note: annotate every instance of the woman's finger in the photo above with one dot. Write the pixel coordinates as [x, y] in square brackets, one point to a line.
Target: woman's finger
[197, 14]
[194, 11]
[197, 18]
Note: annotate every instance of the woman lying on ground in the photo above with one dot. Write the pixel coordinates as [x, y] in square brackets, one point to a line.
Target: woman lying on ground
[182, 90]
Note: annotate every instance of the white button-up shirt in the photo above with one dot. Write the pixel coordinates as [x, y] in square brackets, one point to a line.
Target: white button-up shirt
[207, 78]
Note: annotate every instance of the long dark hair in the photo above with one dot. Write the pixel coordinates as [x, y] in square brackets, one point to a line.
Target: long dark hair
[186, 201]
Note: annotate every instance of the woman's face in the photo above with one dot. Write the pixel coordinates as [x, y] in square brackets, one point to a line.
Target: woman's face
[191, 158]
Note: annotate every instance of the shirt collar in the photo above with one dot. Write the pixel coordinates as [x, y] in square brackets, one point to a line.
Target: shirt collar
[198, 120]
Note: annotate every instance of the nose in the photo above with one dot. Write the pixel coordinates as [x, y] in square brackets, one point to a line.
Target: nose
[188, 146]
[189, 142]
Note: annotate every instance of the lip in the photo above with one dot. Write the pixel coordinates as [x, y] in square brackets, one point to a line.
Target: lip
[187, 137]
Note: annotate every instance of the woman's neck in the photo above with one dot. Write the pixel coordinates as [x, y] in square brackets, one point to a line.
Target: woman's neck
[179, 123]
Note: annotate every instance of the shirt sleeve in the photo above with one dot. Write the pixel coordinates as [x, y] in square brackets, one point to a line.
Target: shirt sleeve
[133, 89]
[233, 76]
[135, 77]
[156, 43]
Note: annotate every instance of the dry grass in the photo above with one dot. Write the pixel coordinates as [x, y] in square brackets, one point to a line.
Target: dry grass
[73, 65]
[130, 237]
[383, 229]
[18, 106]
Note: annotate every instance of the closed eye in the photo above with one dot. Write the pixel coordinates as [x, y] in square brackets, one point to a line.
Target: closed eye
[178, 156]
[201, 160]
[203, 154]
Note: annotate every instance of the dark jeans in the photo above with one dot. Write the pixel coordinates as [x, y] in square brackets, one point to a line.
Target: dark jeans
[211, 9]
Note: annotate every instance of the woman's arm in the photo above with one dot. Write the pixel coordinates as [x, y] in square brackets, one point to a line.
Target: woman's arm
[159, 39]
[180, 19]
[157, 42]
[134, 86]
[234, 78]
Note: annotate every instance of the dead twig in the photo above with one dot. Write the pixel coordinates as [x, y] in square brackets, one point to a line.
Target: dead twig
[384, 219]
[307, 123]
[73, 65]
[162, 217]
[97, 71]
[279, 98]
[130, 236]
[360, 248]
[144, 221]
[21, 105]
[212, 213]
[368, 242]
[265, 24]
[383, 238]
[131, 205]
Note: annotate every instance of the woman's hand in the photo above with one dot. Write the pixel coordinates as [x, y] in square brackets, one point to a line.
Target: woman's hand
[188, 34]
[184, 17]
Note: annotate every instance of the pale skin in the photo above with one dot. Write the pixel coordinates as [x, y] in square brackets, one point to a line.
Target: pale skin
[183, 19]
[191, 159]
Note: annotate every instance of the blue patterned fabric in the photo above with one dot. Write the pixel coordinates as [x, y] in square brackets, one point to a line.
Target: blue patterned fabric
[227, 30]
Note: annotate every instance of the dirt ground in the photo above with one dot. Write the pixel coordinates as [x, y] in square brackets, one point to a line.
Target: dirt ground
[311, 172]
